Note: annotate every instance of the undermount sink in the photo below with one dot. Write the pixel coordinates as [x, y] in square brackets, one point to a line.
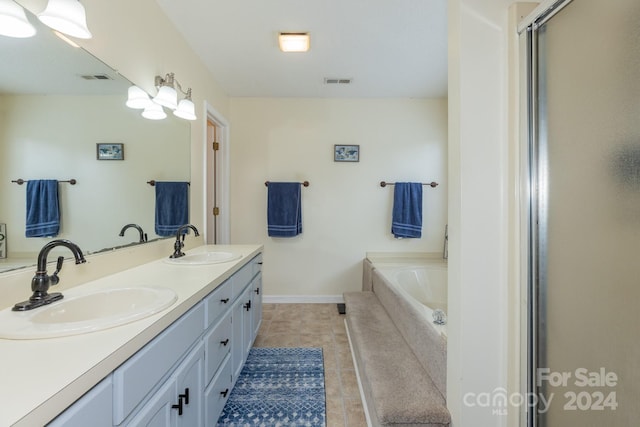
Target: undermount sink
[204, 258]
[81, 313]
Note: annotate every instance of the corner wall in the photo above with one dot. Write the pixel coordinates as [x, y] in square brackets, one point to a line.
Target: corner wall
[345, 211]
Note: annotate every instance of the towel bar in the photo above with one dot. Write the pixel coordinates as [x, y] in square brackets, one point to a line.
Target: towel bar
[21, 181]
[431, 184]
[304, 184]
[153, 183]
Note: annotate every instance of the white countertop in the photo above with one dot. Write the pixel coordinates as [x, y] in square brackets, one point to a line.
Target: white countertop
[40, 378]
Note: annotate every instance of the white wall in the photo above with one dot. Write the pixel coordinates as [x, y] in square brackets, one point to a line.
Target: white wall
[479, 340]
[345, 211]
[36, 143]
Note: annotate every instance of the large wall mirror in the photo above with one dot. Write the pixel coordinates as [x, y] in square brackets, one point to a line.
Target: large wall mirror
[57, 103]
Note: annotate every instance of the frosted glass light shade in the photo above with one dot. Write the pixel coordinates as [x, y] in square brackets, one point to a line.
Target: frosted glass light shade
[186, 110]
[167, 97]
[137, 98]
[66, 16]
[154, 111]
[13, 20]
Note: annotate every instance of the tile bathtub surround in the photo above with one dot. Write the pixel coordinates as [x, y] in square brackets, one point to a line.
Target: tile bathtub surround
[318, 325]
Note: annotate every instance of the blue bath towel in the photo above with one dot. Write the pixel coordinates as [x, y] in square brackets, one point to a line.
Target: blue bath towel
[284, 210]
[407, 210]
[43, 210]
[172, 207]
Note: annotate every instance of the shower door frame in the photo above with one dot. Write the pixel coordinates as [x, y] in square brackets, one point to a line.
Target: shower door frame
[535, 209]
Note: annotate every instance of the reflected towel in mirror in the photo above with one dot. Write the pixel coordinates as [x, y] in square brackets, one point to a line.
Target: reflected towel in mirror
[172, 207]
[43, 210]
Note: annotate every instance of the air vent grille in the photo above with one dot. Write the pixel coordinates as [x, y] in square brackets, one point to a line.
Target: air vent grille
[336, 81]
[96, 77]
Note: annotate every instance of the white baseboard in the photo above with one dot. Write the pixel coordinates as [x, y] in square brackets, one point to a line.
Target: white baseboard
[302, 299]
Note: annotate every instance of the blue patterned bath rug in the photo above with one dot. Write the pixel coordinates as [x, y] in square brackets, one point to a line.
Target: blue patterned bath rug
[278, 387]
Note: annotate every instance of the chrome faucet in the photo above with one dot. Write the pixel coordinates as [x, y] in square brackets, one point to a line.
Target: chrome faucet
[143, 235]
[178, 245]
[42, 281]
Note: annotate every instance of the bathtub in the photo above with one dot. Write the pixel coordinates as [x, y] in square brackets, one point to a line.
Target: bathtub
[422, 283]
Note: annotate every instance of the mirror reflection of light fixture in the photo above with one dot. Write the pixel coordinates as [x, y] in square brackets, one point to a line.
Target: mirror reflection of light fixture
[13, 20]
[167, 97]
[154, 111]
[66, 16]
[137, 98]
[293, 42]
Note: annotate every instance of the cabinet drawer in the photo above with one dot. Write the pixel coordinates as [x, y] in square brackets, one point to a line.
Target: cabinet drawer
[143, 371]
[218, 302]
[217, 394]
[217, 345]
[241, 279]
[95, 408]
[256, 265]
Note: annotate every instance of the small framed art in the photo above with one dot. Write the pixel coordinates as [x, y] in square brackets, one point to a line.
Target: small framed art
[346, 153]
[110, 151]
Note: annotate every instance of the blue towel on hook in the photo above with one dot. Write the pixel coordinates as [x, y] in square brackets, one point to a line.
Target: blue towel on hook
[172, 207]
[43, 210]
[407, 210]
[284, 209]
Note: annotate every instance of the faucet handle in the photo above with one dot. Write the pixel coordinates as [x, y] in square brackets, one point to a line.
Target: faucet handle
[54, 277]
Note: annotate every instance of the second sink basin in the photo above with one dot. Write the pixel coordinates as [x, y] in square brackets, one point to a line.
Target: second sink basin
[83, 313]
[204, 258]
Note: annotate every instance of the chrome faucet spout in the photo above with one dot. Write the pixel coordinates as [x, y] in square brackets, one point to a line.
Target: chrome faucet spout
[42, 281]
[143, 236]
[178, 245]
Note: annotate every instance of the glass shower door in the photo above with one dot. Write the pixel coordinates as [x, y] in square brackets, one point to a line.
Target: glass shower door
[586, 219]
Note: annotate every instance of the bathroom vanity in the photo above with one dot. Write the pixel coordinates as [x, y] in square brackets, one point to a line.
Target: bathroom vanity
[176, 367]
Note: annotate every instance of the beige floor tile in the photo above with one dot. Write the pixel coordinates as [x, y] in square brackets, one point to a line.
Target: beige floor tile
[318, 325]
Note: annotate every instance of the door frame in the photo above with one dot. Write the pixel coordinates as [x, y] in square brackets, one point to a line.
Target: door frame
[220, 180]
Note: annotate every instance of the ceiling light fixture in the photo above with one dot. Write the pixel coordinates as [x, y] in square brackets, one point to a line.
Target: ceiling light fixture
[167, 97]
[13, 20]
[66, 16]
[293, 42]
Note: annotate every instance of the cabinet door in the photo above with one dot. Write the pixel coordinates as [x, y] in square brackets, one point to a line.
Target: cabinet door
[237, 347]
[190, 384]
[247, 321]
[159, 411]
[95, 408]
[256, 304]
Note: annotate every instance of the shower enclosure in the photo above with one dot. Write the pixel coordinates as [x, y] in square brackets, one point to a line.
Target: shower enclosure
[583, 75]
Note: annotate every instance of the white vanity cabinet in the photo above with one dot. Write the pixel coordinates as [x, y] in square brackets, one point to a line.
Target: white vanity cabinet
[184, 376]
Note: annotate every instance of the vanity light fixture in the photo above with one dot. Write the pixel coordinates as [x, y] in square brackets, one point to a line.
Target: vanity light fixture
[66, 16]
[293, 42]
[167, 97]
[13, 20]
[186, 110]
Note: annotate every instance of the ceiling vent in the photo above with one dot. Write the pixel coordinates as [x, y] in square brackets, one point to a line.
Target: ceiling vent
[333, 81]
[96, 77]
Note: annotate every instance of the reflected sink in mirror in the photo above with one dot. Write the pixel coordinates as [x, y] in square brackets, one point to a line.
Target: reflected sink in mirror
[204, 258]
[86, 312]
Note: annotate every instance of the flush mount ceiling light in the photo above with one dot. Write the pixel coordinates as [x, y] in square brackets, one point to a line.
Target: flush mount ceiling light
[167, 97]
[66, 16]
[13, 20]
[293, 42]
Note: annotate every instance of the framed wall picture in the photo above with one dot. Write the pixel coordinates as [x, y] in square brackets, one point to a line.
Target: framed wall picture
[110, 151]
[346, 153]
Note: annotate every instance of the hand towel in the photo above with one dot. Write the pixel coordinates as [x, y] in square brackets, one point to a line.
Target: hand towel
[43, 210]
[284, 211]
[172, 207]
[407, 210]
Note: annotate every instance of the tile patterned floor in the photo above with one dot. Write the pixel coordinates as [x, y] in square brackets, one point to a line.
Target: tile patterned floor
[318, 325]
